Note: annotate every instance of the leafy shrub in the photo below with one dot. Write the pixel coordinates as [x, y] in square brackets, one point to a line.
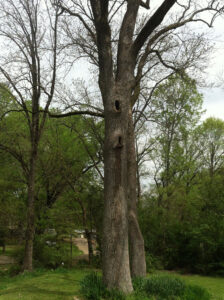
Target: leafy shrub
[14, 270]
[164, 286]
[114, 295]
[96, 261]
[18, 254]
[152, 263]
[92, 288]
[82, 263]
[51, 255]
[215, 268]
[154, 288]
[194, 292]
[167, 288]
[139, 284]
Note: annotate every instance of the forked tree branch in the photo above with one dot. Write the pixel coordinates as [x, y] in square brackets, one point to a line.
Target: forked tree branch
[77, 15]
[145, 4]
[150, 26]
[158, 16]
[164, 63]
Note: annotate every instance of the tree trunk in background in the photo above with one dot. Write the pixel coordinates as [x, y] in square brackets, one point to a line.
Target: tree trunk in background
[138, 184]
[30, 230]
[136, 241]
[115, 249]
[71, 249]
[90, 244]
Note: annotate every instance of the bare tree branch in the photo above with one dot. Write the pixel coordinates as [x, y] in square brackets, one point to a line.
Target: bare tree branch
[151, 25]
[75, 113]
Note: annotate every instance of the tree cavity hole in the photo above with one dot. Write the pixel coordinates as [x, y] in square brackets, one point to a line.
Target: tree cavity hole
[117, 105]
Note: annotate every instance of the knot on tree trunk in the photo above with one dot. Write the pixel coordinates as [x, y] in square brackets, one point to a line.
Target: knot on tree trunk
[117, 139]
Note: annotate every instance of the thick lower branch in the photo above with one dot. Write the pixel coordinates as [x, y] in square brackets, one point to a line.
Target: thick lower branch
[75, 113]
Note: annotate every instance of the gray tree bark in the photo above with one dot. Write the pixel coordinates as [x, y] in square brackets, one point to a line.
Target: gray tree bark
[116, 93]
[115, 255]
[30, 227]
[136, 241]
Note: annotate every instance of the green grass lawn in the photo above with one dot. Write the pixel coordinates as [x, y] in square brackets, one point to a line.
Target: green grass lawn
[214, 285]
[41, 284]
[65, 284]
[58, 284]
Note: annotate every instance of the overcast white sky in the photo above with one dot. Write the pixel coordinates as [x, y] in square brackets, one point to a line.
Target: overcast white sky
[213, 103]
[214, 97]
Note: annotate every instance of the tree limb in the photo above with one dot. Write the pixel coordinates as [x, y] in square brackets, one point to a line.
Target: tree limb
[150, 26]
[75, 113]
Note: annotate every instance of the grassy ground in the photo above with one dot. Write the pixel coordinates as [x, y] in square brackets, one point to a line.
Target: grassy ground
[64, 284]
[214, 285]
[41, 284]
[44, 285]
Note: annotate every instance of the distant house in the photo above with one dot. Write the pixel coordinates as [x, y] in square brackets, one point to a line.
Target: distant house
[80, 233]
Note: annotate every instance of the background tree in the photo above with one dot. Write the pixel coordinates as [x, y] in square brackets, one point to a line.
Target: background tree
[30, 30]
[12, 202]
[177, 108]
[211, 138]
[71, 142]
[179, 215]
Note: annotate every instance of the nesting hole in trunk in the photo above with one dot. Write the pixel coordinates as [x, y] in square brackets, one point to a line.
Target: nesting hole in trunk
[119, 142]
[117, 105]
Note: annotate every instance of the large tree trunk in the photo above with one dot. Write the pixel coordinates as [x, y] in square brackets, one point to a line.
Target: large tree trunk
[137, 249]
[30, 230]
[115, 249]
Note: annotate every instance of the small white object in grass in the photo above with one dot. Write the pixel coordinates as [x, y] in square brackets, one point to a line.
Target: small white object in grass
[62, 263]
